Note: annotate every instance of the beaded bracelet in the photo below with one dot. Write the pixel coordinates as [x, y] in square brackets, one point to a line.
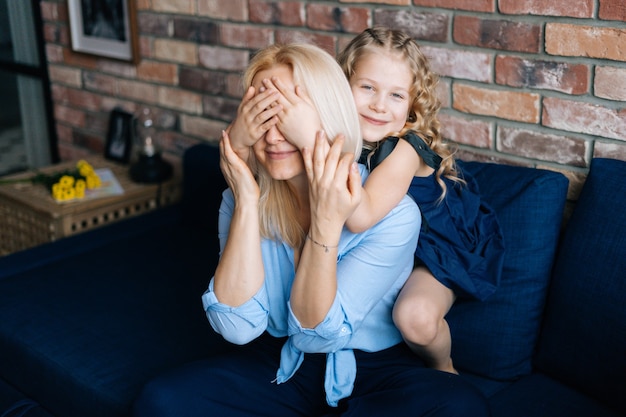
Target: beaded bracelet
[326, 247]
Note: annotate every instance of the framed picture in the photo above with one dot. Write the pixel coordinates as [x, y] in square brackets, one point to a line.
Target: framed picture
[104, 27]
[119, 142]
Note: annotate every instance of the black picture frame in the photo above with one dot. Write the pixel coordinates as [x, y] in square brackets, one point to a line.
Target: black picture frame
[119, 141]
[105, 28]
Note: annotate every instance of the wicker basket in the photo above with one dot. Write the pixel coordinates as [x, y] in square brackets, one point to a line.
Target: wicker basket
[29, 216]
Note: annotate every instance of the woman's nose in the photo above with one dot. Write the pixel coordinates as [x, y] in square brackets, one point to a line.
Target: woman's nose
[273, 136]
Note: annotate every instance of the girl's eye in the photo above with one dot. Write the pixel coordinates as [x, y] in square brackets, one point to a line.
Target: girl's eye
[397, 96]
[367, 87]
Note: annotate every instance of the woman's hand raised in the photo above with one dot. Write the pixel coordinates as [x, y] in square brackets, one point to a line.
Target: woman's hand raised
[237, 173]
[334, 187]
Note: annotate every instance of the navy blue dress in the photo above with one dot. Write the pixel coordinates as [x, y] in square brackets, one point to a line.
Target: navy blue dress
[460, 240]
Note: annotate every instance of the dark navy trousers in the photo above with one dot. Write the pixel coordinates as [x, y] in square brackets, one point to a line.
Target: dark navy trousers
[393, 382]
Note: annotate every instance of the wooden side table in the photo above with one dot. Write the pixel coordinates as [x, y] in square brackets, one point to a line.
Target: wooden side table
[29, 216]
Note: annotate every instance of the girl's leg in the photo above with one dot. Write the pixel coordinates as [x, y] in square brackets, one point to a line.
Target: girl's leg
[419, 314]
[236, 384]
[395, 382]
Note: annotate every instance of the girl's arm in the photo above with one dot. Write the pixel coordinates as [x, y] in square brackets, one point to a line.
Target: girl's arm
[334, 192]
[240, 273]
[385, 187]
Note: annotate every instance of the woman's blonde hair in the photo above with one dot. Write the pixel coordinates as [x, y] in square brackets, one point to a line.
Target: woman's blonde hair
[424, 107]
[321, 77]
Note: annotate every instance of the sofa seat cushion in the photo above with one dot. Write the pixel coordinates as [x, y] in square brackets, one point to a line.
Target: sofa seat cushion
[83, 334]
[538, 395]
[583, 342]
[13, 403]
[496, 338]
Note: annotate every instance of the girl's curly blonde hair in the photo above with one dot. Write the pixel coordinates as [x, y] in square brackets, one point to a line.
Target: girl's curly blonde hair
[423, 110]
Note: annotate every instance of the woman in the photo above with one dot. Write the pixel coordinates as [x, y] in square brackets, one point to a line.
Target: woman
[309, 301]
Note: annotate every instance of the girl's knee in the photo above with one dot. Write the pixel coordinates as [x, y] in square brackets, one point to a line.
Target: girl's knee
[417, 323]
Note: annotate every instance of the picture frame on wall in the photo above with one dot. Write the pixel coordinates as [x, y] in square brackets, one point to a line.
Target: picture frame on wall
[105, 28]
[119, 141]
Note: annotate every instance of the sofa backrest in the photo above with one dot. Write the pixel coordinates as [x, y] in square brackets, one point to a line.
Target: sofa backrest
[583, 342]
[202, 187]
[496, 338]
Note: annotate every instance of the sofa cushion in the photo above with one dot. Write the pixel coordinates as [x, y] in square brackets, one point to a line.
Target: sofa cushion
[15, 404]
[583, 342]
[83, 334]
[496, 338]
[538, 395]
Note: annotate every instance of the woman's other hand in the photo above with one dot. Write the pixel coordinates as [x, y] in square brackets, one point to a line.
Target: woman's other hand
[237, 173]
[335, 187]
[256, 114]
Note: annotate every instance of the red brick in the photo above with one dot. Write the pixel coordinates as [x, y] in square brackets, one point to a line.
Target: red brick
[83, 99]
[135, 90]
[203, 128]
[199, 80]
[218, 107]
[586, 41]
[560, 8]
[69, 115]
[157, 71]
[174, 6]
[283, 13]
[588, 118]
[246, 36]
[49, 10]
[444, 92]
[234, 10]
[100, 83]
[392, 2]
[176, 51]
[154, 24]
[497, 34]
[610, 83]
[523, 107]
[471, 5]
[326, 42]
[117, 68]
[476, 133]
[338, 19]
[175, 143]
[419, 25]
[545, 147]
[609, 150]
[54, 53]
[194, 30]
[51, 33]
[547, 75]
[177, 99]
[468, 65]
[612, 10]
[215, 57]
[65, 75]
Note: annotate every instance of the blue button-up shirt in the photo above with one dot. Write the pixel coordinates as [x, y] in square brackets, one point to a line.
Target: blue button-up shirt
[371, 269]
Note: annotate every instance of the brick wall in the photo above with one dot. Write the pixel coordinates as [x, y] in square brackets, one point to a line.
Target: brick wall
[539, 83]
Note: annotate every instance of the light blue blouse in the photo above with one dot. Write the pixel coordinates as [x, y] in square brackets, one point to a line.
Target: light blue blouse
[371, 269]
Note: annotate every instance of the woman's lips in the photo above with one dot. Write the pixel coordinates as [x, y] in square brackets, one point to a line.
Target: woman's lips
[278, 155]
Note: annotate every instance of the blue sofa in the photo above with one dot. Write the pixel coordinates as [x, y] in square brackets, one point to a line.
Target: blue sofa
[87, 320]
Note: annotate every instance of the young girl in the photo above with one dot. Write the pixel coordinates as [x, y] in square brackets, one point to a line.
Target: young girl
[460, 248]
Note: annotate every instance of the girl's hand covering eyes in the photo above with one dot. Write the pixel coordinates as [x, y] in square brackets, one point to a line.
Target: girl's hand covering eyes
[299, 120]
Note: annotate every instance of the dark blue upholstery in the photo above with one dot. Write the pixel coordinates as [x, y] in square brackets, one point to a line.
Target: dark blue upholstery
[537, 395]
[86, 321]
[587, 304]
[496, 338]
